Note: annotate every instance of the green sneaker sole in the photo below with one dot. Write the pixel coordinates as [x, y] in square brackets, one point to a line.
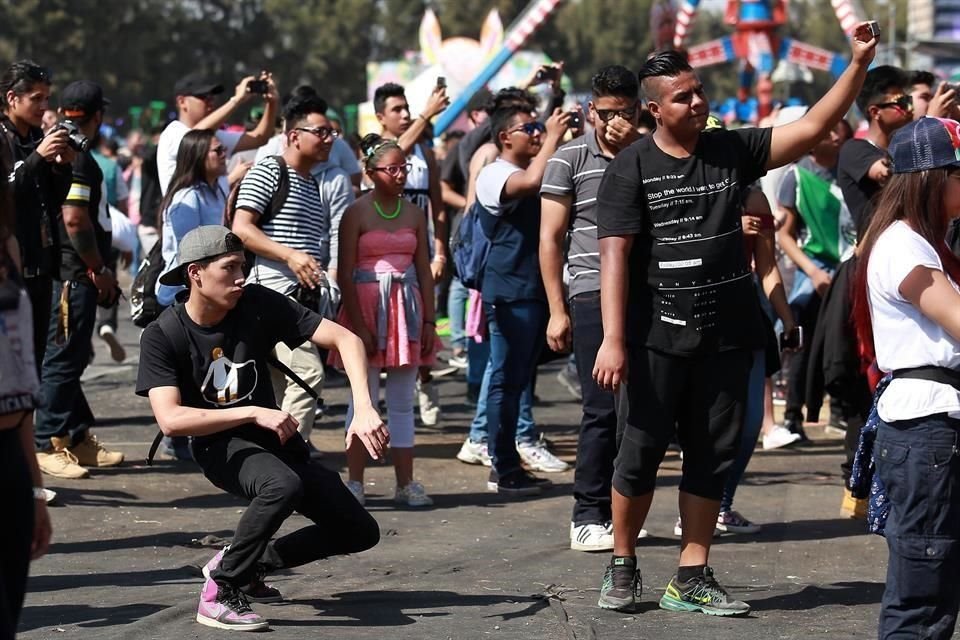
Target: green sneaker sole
[672, 604]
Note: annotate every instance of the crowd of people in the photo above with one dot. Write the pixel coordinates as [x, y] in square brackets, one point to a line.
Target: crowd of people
[635, 238]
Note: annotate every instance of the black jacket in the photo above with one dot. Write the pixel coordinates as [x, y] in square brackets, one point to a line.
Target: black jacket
[39, 189]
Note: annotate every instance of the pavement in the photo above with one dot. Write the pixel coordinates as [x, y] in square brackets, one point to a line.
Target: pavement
[129, 543]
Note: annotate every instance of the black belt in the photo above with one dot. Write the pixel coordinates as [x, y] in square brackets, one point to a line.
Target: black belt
[933, 373]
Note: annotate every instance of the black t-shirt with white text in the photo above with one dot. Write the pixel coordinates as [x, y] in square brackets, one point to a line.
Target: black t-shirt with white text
[691, 290]
[227, 362]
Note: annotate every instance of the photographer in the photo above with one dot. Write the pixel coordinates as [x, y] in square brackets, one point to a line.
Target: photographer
[40, 176]
[64, 443]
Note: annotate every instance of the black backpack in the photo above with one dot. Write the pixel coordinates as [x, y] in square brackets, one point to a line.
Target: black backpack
[176, 334]
[277, 200]
[144, 307]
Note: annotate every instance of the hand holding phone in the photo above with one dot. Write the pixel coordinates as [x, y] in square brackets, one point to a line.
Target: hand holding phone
[260, 87]
[441, 82]
[791, 340]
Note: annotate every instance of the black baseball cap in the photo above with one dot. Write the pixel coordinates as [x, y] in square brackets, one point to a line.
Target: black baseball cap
[82, 98]
[196, 85]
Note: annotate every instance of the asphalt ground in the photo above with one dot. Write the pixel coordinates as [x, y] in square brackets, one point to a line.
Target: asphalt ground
[129, 543]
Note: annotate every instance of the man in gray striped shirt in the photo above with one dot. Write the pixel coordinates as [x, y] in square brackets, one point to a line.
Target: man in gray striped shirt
[569, 212]
[292, 248]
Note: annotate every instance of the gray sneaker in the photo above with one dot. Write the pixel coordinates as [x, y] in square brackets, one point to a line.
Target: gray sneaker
[703, 594]
[622, 585]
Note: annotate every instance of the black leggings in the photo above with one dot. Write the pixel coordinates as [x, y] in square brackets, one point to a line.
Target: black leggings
[277, 483]
[16, 534]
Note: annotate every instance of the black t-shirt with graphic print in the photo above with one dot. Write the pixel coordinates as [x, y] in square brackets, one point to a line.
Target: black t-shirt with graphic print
[691, 290]
[227, 362]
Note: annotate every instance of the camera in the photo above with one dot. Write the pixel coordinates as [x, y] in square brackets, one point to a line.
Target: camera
[576, 120]
[547, 74]
[261, 87]
[76, 140]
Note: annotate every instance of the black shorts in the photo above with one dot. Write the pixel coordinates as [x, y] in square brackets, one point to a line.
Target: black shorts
[700, 399]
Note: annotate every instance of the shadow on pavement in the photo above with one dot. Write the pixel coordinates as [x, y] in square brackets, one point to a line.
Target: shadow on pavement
[167, 539]
[843, 594]
[82, 615]
[401, 608]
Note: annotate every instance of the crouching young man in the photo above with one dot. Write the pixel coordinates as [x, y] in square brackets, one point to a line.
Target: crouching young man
[204, 368]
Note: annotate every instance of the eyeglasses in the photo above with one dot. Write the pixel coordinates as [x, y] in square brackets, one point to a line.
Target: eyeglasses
[529, 128]
[904, 103]
[221, 151]
[321, 132]
[395, 170]
[609, 114]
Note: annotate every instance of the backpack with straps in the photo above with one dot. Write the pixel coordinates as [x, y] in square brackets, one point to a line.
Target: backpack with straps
[277, 200]
[144, 306]
[471, 247]
[175, 332]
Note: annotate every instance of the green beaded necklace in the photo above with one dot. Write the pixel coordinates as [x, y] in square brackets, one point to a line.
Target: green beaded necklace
[387, 216]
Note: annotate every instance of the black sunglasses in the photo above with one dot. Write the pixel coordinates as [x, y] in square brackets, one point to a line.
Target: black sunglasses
[529, 128]
[609, 114]
[321, 132]
[904, 102]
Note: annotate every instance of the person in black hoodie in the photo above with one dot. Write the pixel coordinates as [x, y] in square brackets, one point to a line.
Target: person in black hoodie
[40, 174]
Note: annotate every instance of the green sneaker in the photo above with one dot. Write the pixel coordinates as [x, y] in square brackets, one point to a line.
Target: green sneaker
[704, 594]
[622, 585]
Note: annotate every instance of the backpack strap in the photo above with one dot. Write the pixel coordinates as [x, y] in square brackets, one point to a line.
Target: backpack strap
[280, 195]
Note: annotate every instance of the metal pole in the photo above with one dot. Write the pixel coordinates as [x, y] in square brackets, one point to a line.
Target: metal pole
[517, 36]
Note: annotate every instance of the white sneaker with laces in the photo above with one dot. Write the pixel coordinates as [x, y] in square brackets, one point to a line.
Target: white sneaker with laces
[474, 453]
[413, 495]
[778, 437]
[429, 401]
[536, 456]
[356, 488]
[733, 522]
[117, 352]
[590, 537]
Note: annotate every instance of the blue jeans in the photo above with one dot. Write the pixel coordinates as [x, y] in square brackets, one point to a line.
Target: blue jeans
[918, 463]
[63, 409]
[516, 337]
[457, 312]
[752, 421]
[526, 427]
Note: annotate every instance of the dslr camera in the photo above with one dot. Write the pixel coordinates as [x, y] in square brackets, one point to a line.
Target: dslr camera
[76, 140]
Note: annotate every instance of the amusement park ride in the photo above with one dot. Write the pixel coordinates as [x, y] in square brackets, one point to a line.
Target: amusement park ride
[756, 44]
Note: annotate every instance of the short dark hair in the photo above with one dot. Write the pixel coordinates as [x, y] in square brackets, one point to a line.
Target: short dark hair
[20, 77]
[502, 118]
[615, 81]
[512, 97]
[299, 91]
[666, 64]
[922, 77]
[879, 81]
[385, 91]
[297, 110]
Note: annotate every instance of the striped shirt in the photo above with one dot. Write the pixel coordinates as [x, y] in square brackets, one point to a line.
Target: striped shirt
[301, 224]
[576, 170]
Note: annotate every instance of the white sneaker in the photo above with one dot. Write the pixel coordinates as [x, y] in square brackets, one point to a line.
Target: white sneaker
[536, 456]
[678, 530]
[429, 401]
[117, 352]
[412, 495]
[590, 537]
[778, 437]
[474, 453]
[356, 488]
[640, 536]
[459, 361]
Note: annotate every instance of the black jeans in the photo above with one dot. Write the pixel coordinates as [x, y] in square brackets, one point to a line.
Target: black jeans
[63, 409]
[277, 483]
[918, 463]
[597, 446]
[806, 317]
[39, 290]
[17, 532]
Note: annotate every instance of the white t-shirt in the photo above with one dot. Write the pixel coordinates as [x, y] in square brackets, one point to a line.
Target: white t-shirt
[490, 183]
[903, 337]
[169, 145]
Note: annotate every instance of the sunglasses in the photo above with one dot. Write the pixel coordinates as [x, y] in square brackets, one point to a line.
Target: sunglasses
[220, 151]
[609, 114]
[904, 103]
[321, 132]
[395, 170]
[529, 128]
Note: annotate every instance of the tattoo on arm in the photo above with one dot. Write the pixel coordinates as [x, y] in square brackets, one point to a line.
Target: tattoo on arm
[82, 236]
